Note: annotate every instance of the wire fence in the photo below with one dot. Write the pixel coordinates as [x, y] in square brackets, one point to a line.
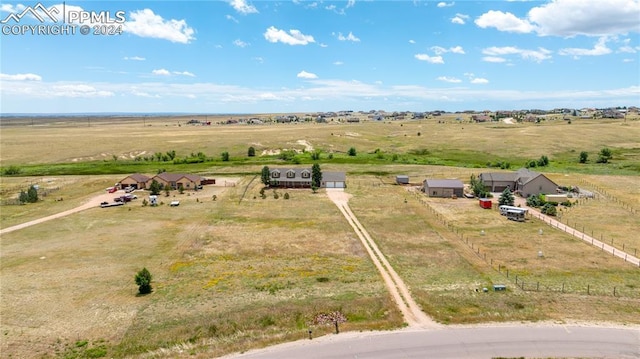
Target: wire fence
[523, 281]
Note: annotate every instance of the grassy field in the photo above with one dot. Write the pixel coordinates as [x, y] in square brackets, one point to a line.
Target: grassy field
[243, 272]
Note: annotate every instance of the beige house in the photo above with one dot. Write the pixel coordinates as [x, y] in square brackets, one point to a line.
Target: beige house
[136, 180]
[446, 188]
[177, 180]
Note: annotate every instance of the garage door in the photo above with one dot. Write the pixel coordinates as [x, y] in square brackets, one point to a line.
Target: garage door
[331, 185]
[339, 184]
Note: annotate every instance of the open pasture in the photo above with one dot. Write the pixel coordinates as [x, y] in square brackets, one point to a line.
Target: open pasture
[242, 271]
[114, 146]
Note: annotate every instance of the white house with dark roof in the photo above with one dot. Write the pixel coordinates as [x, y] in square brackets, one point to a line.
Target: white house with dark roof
[523, 181]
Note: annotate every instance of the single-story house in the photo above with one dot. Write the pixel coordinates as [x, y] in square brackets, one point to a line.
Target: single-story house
[136, 180]
[177, 180]
[443, 187]
[301, 178]
[523, 181]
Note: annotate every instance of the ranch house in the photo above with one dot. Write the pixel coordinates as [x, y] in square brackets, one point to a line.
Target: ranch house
[176, 180]
[301, 178]
[523, 182]
[136, 180]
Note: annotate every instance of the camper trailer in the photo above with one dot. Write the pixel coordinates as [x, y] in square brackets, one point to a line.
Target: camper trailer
[513, 213]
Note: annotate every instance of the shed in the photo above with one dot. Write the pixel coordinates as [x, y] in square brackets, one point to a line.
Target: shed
[443, 188]
[485, 203]
[402, 179]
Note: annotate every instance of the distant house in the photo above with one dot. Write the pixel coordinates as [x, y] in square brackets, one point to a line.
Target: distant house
[136, 180]
[524, 182]
[301, 178]
[402, 179]
[443, 187]
[177, 180]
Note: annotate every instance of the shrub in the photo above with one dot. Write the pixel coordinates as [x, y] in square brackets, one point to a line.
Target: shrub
[225, 156]
[11, 170]
[583, 157]
[251, 152]
[286, 195]
[143, 280]
[352, 151]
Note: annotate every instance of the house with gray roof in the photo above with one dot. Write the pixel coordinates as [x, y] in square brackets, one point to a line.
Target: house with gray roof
[523, 182]
[446, 188]
[301, 178]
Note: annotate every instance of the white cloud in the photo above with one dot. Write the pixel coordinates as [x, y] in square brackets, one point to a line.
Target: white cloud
[600, 48]
[161, 72]
[504, 21]
[444, 4]
[259, 59]
[351, 3]
[349, 37]
[628, 60]
[449, 79]
[460, 19]
[592, 18]
[535, 55]
[145, 23]
[231, 18]
[134, 58]
[441, 50]
[430, 59]
[323, 45]
[494, 59]
[242, 7]
[294, 37]
[479, 80]
[567, 18]
[184, 73]
[338, 63]
[21, 77]
[79, 90]
[306, 75]
[240, 43]
[412, 41]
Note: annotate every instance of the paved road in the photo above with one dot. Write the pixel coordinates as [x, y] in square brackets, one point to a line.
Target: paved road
[537, 341]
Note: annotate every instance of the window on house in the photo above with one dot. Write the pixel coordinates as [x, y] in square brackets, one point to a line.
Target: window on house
[275, 174]
[434, 193]
[306, 174]
[291, 174]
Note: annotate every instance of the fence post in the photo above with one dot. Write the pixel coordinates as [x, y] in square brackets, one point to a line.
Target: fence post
[562, 287]
[507, 273]
[588, 289]
[614, 291]
[537, 286]
[516, 279]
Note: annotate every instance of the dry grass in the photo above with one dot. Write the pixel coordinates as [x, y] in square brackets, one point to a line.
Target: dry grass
[243, 272]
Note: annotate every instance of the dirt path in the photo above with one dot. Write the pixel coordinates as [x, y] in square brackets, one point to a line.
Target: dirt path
[93, 202]
[553, 223]
[412, 313]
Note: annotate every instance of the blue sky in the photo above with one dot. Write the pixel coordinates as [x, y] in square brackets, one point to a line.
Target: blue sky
[304, 56]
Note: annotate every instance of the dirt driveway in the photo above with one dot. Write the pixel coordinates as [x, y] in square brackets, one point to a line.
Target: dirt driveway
[413, 315]
[93, 202]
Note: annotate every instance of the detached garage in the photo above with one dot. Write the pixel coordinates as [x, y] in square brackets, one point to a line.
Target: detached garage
[443, 188]
[334, 180]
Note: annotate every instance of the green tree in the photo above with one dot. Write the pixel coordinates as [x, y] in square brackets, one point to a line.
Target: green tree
[352, 151]
[23, 198]
[225, 156]
[32, 194]
[12, 170]
[265, 176]
[549, 209]
[583, 157]
[478, 188]
[506, 198]
[605, 155]
[155, 187]
[143, 280]
[543, 161]
[180, 188]
[315, 155]
[316, 175]
[251, 152]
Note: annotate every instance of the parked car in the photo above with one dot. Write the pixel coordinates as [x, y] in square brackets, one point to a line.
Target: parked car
[174, 203]
[112, 189]
[129, 189]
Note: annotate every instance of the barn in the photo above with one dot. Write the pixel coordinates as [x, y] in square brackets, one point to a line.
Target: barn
[443, 188]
